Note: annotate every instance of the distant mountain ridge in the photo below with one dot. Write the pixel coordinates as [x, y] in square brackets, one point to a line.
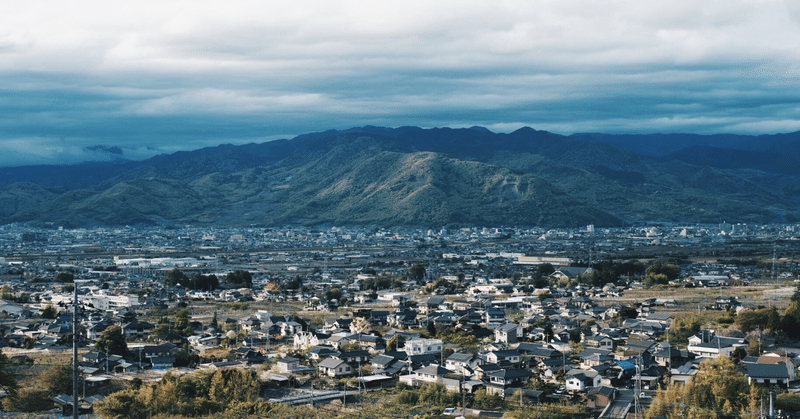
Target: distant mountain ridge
[418, 177]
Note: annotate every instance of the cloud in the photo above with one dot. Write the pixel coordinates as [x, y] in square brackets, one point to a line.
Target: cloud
[179, 75]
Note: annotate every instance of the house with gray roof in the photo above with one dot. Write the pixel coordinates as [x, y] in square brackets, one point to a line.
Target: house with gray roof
[768, 374]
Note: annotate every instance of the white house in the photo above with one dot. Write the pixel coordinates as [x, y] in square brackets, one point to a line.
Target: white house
[580, 380]
[422, 346]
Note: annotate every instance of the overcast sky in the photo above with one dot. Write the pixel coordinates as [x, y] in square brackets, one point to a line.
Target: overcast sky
[157, 77]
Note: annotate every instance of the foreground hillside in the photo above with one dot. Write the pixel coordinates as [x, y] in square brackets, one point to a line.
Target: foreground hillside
[405, 176]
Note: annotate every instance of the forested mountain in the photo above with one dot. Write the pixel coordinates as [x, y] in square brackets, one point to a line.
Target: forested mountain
[418, 177]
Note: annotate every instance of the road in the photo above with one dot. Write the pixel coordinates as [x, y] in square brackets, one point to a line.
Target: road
[619, 408]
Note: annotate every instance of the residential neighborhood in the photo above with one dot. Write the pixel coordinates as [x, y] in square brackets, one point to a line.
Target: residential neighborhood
[518, 315]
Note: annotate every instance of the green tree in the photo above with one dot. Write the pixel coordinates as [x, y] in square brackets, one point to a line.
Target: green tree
[544, 295]
[6, 293]
[548, 411]
[49, 312]
[174, 277]
[717, 388]
[112, 341]
[27, 400]
[669, 270]
[239, 278]
[764, 319]
[395, 343]
[485, 401]
[181, 319]
[7, 381]
[416, 271]
[790, 323]
[203, 282]
[233, 385]
[332, 294]
[57, 380]
[64, 277]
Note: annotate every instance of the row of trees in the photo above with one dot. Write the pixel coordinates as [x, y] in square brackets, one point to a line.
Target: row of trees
[718, 389]
[235, 279]
[200, 393]
[770, 321]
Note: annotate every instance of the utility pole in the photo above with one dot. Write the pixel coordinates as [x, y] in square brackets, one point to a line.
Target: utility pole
[75, 352]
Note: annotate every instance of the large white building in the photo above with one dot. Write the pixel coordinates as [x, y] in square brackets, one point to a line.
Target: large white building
[99, 299]
[422, 346]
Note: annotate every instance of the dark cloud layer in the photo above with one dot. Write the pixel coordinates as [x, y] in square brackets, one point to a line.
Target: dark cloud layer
[158, 78]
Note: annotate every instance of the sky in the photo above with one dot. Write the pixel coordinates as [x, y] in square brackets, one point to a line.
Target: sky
[88, 80]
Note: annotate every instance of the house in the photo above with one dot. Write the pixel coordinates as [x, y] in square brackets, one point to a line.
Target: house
[387, 365]
[580, 380]
[287, 364]
[726, 303]
[405, 318]
[551, 367]
[430, 374]
[433, 304]
[460, 362]
[773, 358]
[510, 356]
[768, 374]
[508, 333]
[289, 328]
[672, 356]
[502, 382]
[305, 340]
[594, 359]
[353, 357]
[137, 330]
[600, 397]
[334, 367]
[162, 362]
[321, 352]
[422, 346]
[538, 352]
[684, 373]
[599, 341]
[494, 318]
[706, 345]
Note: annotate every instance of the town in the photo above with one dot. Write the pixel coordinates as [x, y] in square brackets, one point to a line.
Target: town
[482, 322]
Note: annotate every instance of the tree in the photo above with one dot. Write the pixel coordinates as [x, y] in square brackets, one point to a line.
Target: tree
[64, 277]
[7, 381]
[204, 282]
[112, 341]
[57, 380]
[6, 293]
[485, 401]
[332, 294]
[174, 277]
[544, 270]
[239, 278]
[764, 319]
[416, 271]
[669, 270]
[718, 387]
[395, 343]
[544, 295]
[49, 312]
[738, 354]
[28, 400]
[230, 385]
[791, 320]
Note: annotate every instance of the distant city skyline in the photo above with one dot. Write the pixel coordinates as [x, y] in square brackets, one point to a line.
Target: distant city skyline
[88, 81]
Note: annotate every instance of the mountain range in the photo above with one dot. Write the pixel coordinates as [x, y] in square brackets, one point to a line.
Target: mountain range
[436, 177]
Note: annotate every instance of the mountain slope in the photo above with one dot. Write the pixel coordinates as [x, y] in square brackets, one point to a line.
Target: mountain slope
[406, 176]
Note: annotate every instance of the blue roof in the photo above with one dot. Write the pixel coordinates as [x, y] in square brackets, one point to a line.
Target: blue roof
[626, 365]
